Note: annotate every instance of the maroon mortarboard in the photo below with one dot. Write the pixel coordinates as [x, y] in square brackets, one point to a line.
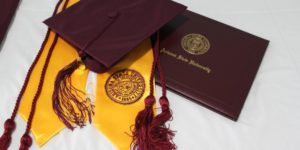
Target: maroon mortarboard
[104, 32]
[107, 30]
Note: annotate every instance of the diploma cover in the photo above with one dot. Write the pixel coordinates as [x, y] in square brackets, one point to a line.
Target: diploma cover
[209, 62]
[7, 11]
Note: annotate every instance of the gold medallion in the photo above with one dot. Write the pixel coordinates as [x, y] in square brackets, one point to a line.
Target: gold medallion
[195, 44]
[125, 86]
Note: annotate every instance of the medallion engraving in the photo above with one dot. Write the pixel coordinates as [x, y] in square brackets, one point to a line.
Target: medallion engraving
[125, 86]
[195, 44]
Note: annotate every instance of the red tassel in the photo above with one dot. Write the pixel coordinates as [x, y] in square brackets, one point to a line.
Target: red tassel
[5, 139]
[70, 110]
[26, 142]
[161, 136]
[142, 125]
[150, 132]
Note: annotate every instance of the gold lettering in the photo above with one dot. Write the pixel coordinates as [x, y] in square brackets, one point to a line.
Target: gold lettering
[185, 60]
[168, 52]
[193, 63]
[180, 57]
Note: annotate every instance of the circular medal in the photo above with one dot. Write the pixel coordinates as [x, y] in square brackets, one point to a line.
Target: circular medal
[195, 44]
[125, 86]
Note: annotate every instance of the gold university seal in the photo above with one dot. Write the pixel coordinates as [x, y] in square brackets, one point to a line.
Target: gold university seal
[125, 86]
[195, 44]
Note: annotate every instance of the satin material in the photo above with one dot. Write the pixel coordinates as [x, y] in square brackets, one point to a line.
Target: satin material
[46, 123]
[113, 119]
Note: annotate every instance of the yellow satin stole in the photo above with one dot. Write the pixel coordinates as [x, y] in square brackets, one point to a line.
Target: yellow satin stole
[120, 95]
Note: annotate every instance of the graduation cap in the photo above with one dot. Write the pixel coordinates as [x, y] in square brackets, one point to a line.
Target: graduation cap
[104, 32]
[107, 30]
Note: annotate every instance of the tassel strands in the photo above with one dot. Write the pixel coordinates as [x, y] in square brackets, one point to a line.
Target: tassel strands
[9, 124]
[142, 125]
[68, 103]
[151, 133]
[161, 135]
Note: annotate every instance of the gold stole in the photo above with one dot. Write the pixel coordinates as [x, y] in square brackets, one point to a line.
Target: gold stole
[121, 93]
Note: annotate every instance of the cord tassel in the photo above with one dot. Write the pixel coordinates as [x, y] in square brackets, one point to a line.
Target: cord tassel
[162, 136]
[68, 102]
[142, 125]
[141, 137]
[26, 142]
[151, 133]
[5, 139]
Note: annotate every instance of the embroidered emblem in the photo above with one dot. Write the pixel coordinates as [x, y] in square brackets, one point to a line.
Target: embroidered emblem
[125, 86]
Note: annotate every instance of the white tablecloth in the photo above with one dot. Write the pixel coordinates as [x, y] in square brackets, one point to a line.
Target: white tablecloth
[270, 119]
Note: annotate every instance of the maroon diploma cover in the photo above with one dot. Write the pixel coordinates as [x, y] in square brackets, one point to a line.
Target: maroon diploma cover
[7, 11]
[209, 62]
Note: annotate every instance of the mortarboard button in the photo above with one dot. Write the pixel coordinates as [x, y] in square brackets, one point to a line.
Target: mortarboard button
[113, 14]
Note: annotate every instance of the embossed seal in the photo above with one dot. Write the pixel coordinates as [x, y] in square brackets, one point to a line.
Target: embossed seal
[125, 86]
[195, 44]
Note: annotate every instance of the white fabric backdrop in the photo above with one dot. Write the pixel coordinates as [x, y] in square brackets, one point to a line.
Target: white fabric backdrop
[270, 119]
